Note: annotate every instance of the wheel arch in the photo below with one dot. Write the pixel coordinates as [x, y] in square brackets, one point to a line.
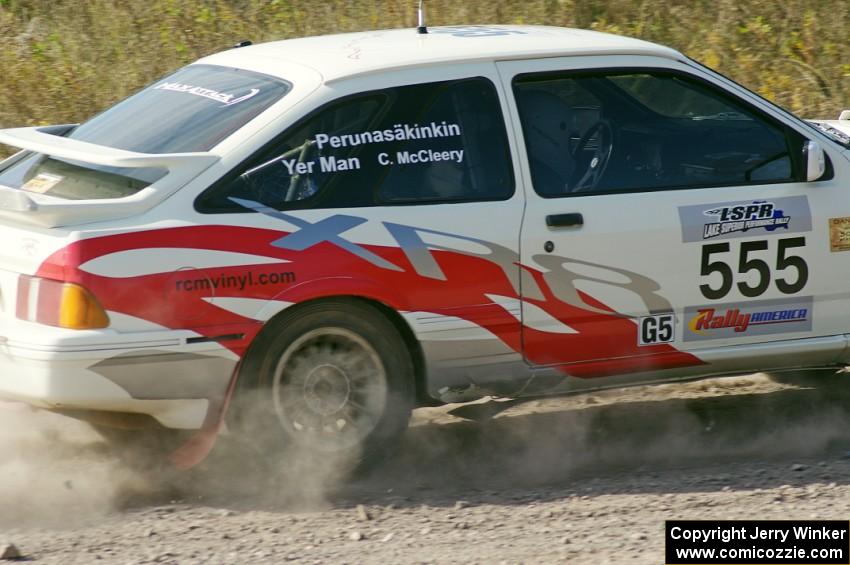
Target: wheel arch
[414, 348]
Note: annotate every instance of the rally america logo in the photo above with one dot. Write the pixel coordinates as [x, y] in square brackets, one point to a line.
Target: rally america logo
[740, 218]
[745, 319]
[709, 319]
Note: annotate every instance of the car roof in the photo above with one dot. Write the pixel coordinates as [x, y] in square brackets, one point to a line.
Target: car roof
[344, 55]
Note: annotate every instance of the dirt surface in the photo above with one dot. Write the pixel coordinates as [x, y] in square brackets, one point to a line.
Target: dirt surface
[587, 479]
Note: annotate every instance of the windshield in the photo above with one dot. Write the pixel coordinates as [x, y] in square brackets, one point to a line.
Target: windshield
[830, 132]
[191, 110]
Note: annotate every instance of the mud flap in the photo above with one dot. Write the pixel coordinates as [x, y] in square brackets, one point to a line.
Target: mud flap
[201, 444]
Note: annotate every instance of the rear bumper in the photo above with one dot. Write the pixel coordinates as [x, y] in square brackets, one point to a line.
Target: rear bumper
[173, 383]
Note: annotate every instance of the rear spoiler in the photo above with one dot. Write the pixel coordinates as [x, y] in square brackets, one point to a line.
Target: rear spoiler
[845, 116]
[49, 211]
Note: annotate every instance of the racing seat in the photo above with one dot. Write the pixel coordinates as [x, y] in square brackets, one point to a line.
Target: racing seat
[546, 123]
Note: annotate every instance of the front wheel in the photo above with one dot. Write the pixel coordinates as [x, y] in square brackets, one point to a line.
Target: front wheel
[332, 380]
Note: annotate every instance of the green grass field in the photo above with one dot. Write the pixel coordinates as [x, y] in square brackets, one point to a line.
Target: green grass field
[62, 61]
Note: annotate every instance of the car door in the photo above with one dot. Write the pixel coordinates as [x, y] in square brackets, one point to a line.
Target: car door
[668, 224]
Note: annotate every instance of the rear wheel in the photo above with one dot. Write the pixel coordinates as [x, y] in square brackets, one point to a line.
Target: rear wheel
[330, 382]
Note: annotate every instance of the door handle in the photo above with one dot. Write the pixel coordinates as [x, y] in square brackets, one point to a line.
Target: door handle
[564, 220]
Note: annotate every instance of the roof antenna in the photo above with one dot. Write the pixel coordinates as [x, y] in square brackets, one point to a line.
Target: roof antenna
[421, 29]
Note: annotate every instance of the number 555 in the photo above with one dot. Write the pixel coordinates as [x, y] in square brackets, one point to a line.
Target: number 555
[746, 264]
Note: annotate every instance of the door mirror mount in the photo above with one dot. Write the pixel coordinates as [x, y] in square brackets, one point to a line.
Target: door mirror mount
[815, 160]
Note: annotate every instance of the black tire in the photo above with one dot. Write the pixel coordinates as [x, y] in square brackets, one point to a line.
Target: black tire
[328, 385]
[812, 378]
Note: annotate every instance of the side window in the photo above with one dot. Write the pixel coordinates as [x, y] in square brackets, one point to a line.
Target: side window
[621, 131]
[428, 143]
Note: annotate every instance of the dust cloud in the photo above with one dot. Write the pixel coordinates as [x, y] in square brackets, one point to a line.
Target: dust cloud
[635, 430]
[512, 445]
[252, 464]
[56, 471]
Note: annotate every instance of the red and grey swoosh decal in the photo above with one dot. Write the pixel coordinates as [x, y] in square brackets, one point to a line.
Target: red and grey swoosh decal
[139, 285]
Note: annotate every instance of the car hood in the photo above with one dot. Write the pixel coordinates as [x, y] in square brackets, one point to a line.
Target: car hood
[841, 125]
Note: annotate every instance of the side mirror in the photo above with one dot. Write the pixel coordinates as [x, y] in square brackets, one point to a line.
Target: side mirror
[815, 160]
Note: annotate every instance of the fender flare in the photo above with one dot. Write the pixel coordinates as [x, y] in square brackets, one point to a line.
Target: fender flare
[330, 287]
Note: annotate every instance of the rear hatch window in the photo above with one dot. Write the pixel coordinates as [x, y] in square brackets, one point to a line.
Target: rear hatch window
[192, 110]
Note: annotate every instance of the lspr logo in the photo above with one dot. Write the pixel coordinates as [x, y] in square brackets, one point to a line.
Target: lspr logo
[728, 220]
[740, 218]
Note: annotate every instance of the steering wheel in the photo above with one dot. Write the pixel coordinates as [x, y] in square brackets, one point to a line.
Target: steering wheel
[589, 171]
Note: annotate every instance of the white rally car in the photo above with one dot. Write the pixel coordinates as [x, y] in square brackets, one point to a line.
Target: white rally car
[331, 231]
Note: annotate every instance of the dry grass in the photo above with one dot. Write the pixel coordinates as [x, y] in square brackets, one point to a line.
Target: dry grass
[63, 60]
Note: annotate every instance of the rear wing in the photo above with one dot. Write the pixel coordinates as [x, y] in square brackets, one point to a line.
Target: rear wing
[50, 211]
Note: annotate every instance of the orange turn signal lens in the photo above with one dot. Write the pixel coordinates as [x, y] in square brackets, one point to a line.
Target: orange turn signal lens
[80, 310]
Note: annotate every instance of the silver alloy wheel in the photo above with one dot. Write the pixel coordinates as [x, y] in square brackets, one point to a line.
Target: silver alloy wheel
[329, 389]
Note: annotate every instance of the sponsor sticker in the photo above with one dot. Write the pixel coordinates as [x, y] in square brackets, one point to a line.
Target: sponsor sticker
[226, 98]
[839, 234]
[655, 329]
[744, 218]
[399, 132]
[41, 183]
[295, 163]
[746, 319]
[476, 31]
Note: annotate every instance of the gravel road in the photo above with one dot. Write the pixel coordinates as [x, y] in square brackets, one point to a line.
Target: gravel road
[587, 479]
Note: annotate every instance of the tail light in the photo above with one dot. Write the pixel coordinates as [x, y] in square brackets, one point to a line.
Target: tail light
[57, 303]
